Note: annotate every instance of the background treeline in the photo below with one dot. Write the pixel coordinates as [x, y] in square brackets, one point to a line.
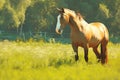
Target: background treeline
[40, 15]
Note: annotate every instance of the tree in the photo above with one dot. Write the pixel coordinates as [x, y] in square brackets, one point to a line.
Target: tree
[114, 8]
[2, 2]
[13, 13]
[40, 15]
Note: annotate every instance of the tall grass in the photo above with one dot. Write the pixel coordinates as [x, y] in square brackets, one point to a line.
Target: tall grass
[46, 61]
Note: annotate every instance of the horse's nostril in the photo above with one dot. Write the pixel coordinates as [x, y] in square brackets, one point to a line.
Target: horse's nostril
[59, 31]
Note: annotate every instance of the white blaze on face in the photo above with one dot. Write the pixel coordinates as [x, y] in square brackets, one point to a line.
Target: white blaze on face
[58, 23]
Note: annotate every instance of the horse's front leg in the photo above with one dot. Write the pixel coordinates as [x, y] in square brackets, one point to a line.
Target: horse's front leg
[86, 53]
[75, 48]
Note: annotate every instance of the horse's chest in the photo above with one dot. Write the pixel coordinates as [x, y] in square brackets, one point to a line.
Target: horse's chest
[78, 39]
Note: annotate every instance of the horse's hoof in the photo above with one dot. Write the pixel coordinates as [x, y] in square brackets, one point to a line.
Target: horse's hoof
[76, 58]
[98, 60]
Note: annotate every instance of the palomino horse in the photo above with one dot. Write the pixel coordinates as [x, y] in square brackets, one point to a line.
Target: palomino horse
[84, 34]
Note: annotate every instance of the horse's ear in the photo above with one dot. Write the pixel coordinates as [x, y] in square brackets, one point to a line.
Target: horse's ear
[61, 10]
[58, 9]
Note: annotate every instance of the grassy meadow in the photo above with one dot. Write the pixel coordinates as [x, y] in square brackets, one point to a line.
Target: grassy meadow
[54, 61]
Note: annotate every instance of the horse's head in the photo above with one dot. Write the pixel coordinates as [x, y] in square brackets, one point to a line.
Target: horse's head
[62, 20]
[66, 16]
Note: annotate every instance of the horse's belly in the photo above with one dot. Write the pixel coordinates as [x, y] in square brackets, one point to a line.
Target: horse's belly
[94, 43]
[81, 40]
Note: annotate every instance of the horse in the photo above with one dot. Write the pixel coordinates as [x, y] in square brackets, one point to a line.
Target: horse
[84, 34]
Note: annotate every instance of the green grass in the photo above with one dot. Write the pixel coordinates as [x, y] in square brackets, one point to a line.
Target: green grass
[46, 61]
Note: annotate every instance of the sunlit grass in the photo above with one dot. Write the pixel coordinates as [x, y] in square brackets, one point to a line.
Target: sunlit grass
[46, 61]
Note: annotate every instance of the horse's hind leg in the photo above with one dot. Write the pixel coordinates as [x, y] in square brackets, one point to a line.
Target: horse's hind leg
[97, 53]
[104, 54]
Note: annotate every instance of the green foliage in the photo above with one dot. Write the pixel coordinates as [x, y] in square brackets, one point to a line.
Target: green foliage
[113, 7]
[40, 15]
[2, 2]
[104, 10]
[13, 13]
[46, 61]
[116, 23]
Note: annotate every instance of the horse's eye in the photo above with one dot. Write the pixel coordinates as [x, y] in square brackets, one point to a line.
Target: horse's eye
[62, 17]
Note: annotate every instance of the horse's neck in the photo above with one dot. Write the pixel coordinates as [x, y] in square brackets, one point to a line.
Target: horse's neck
[83, 23]
[78, 25]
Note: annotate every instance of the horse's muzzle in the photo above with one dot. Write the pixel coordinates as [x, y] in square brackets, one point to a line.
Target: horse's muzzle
[59, 31]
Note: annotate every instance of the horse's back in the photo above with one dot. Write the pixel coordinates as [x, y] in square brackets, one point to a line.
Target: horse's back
[100, 27]
[99, 32]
